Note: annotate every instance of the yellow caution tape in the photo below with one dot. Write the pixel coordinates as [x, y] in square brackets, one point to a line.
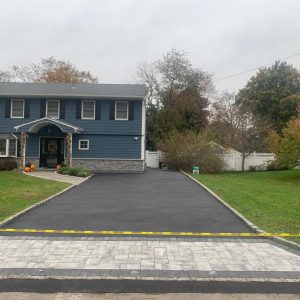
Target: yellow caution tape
[154, 233]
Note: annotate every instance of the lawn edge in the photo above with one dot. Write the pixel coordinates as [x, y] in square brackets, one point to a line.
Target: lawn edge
[251, 225]
[24, 211]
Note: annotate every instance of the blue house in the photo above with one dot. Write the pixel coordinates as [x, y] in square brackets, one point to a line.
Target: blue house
[100, 127]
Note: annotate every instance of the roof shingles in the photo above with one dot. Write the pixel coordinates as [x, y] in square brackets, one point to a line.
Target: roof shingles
[72, 90]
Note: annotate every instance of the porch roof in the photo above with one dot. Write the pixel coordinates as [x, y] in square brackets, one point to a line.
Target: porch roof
[36, 125]
[7, 136]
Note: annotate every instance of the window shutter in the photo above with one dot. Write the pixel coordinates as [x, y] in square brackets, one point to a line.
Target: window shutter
[27, 109]
[131, 111]
[7, 108]
[78, 109]
[98, 110]
[62, 109]
[43, 108]
[112, 110]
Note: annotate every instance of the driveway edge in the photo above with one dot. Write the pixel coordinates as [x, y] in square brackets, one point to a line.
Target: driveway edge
[251, 225]
[22, 212]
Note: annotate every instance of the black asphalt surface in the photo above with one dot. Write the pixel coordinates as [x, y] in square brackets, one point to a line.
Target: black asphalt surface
[146, 286]
[152, 201]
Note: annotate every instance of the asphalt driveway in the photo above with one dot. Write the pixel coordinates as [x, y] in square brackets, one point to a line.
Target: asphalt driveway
[153, 201]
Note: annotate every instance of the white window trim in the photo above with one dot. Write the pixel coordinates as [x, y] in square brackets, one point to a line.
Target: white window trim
[11, 108]
[58, 109]
[121, 119]
[88, 145]
[82, 110]
[7, 150]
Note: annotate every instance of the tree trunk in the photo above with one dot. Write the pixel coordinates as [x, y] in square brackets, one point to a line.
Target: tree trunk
[243, 162]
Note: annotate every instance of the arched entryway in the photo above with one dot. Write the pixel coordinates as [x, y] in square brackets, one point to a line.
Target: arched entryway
[51, 138]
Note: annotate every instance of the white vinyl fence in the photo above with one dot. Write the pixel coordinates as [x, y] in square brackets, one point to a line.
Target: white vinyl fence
[232, 160]
[152, 159]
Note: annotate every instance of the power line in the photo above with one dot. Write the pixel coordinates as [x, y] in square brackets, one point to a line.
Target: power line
[254, 69]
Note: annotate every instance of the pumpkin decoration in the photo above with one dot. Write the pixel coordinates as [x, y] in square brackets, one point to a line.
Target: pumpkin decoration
[27, 169]
[32, 167]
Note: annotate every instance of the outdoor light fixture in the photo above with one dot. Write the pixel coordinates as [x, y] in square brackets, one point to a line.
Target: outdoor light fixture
[136, 138]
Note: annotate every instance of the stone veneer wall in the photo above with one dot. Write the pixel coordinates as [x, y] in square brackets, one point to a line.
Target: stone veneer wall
[110, 165]
[33, 160]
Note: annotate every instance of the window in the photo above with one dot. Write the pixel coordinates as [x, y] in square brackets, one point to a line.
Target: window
[8, 147]
[17, 108]
[12, 148]
[84, 144]
[88, 110]
[3, 148]
[52, 109]
[121, 110]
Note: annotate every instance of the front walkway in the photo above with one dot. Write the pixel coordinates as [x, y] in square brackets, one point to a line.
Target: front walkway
[52, 175]
[147, 258]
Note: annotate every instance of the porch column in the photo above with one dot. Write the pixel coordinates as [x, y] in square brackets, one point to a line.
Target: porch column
[69, 142]
[23, 149]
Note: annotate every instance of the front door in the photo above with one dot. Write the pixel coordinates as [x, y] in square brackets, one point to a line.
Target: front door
[51, 152]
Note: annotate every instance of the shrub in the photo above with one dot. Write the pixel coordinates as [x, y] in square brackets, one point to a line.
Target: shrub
[79, 172]
[8, 163]
[276, 166]
[188, 149]
[286, 145]
[252, 168]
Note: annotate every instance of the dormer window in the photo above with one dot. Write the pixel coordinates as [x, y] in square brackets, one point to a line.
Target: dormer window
[52, 109]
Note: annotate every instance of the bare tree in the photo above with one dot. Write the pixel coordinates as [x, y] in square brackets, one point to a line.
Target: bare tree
[5, 76]
[147, 74]
[237, 128]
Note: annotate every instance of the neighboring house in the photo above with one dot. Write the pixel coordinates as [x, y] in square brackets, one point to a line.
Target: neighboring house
[96, 126]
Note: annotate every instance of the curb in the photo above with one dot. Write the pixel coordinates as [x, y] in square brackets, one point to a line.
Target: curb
[150, 278]
[252, 226]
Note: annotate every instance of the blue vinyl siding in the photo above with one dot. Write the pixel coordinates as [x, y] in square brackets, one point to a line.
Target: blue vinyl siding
[33, 145]
[108, 146]
[108, 139]
[102, 126]
[102, 147]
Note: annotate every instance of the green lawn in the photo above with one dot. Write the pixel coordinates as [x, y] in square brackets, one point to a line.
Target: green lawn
[271, 200]
[18, 191]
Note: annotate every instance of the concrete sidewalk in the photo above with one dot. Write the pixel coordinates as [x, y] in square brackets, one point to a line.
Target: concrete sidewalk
[147, 258]
[52, 175]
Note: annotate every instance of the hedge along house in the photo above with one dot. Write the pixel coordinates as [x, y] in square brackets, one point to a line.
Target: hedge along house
[96, 126]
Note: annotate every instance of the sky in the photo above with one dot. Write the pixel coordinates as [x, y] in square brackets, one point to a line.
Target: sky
[110, 37]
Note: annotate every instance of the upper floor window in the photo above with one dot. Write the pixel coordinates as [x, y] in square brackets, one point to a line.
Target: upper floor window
[52, 109]
[121, 110]
[17, 108]
[88, 110]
